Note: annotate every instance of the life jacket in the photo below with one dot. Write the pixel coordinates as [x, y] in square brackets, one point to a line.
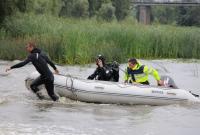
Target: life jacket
[140, 73]
[137, 75]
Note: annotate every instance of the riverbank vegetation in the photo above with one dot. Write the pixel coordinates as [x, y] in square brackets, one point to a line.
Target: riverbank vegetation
[75, 41]
[76, 31]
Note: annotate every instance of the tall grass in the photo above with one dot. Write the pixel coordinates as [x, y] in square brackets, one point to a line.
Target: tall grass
[79, 41]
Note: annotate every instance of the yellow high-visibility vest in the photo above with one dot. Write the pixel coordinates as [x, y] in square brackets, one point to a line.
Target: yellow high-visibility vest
[140, 73]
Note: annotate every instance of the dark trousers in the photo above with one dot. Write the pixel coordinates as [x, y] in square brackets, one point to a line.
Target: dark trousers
[48, 83]
[145, 83]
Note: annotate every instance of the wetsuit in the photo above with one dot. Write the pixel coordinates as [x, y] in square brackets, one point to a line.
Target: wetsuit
[99, 74]
[40, 60]
[106, 73]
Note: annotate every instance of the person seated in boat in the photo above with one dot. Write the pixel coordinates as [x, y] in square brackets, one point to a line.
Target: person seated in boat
[105, 72]
[138, 73]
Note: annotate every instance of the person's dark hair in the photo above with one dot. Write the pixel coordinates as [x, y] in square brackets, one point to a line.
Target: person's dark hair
[133, 61]
[102, 58]
[31, 44]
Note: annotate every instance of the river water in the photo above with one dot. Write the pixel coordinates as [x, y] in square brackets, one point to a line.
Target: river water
[21, 113]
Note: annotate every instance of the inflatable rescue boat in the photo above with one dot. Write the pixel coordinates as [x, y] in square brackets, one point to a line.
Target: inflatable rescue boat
[95, 91]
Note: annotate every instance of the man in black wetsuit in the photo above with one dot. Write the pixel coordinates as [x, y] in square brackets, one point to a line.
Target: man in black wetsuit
[40, 60]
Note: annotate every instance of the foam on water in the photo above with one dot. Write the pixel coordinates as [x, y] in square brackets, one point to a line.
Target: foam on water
[3, 72]
[3, 100]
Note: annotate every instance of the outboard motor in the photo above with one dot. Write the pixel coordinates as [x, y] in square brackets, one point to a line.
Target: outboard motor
[168, 82]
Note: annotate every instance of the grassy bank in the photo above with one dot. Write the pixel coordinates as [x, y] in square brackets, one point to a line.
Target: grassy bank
[79, 41]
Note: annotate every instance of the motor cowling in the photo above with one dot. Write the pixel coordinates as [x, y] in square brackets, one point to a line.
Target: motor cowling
[168, 82]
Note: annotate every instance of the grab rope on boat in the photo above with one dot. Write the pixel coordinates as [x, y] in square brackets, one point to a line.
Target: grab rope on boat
[71, 88]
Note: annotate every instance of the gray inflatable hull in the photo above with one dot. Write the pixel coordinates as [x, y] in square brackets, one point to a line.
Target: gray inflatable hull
[115, 93]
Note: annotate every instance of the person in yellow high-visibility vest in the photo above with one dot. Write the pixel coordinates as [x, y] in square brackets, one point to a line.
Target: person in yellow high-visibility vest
[138, 73]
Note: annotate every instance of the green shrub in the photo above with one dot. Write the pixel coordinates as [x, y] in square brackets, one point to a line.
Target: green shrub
[75, 8]
[107, 12]
[74, 41]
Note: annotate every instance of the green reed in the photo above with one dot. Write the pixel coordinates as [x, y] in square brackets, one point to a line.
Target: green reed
[73, 41]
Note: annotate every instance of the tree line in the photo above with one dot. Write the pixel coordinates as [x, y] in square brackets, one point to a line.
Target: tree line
[107, 10]
[104, 9]
[180, 15]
